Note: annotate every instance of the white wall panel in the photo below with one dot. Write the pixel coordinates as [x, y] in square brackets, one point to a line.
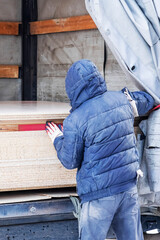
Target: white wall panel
[10, 10]
[57, 52]
[10, 50]
[10, 89]
[48, 9]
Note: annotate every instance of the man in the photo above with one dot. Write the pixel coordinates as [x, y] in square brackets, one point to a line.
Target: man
[98, 139]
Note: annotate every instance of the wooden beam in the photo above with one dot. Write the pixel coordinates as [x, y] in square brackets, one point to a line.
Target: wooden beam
[9, 28]
[62, 25]
[9, 71]
[8, 127]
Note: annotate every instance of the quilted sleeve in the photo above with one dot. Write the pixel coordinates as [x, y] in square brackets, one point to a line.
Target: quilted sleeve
[143, 101]
[70, 147]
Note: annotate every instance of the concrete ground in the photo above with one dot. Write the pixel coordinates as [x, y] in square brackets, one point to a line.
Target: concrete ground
[152, 237]
[148, 237]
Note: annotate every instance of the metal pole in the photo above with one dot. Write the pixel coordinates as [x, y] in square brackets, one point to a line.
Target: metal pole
[29, 51]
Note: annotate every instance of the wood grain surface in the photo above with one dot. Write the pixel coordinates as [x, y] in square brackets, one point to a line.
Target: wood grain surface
[62, 25]
[9, 28]
[9, 71]
[32, 111]
[28, 160]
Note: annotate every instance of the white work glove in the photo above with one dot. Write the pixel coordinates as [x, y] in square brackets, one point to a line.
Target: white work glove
[139, 174]
[53, 131]
[132, 102]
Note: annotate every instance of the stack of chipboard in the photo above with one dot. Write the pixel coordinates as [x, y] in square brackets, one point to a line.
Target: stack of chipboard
[28, 159]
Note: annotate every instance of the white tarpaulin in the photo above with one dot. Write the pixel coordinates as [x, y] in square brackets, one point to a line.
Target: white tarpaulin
[131, 28]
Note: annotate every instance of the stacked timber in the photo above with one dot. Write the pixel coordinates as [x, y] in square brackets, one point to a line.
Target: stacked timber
[28, 159]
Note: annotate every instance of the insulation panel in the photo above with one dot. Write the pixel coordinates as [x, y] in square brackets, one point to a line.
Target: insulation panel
[28, 159]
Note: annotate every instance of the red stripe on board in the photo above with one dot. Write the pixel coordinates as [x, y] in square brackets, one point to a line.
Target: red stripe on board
[155, 108]
[34, 127]
[31, 127]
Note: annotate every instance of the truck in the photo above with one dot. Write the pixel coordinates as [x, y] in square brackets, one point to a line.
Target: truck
[39, 40]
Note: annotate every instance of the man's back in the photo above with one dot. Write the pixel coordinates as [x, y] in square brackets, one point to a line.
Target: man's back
[98, 139]
[110, 158]
[98, 136]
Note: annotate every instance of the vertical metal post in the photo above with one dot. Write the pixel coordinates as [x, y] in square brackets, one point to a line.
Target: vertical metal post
[29, 51]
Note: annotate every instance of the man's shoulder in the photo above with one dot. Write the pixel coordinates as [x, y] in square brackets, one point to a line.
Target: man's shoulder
[97, 104]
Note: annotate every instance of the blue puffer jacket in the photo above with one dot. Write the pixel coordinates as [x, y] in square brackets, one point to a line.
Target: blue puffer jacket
[98, 136]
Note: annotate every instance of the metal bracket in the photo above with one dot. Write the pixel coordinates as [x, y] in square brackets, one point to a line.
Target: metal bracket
[25, 31]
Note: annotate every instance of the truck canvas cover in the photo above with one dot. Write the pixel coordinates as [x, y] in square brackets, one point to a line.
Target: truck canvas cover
[131, 29]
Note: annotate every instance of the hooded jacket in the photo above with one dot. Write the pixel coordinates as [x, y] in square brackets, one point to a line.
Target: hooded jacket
[98, 136]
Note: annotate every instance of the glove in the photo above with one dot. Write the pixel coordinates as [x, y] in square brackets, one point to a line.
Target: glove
[131, 101]
[53, 131]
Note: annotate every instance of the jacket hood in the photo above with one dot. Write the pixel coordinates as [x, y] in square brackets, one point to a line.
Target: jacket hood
[83, 81]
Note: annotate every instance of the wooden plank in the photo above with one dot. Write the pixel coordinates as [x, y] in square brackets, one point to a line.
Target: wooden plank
[27, 196]
[18, 197]
[8, 127]
[28, 160]
[9, 28]
[62, 25]
[13, 125]
[19, 111]
[9, 71]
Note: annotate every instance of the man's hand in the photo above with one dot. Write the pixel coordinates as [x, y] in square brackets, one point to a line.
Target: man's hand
[53, 131]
